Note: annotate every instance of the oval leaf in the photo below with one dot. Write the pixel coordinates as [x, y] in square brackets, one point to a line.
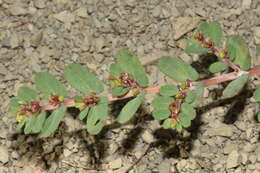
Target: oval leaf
[27, 94]
[130, 64]
[190, 98]
[235, 86]
[130, 108]
[49, 85]
[96, 116]
[217, 67]
[193, 46]
[161, 114]
[53, 121]
[239, 52]
[185, 120]
[162, 103]
[14, 106]
[257, 94]
[213, 31]
[119, 91]
[30, 122]
[80, 78]
[84, 113]
[168, 90]
[40, 119]
[188, 110]
[199, 90]
[115, 70]
[177, 69]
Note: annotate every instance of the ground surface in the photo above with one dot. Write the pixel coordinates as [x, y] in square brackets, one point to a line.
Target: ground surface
[46, 35]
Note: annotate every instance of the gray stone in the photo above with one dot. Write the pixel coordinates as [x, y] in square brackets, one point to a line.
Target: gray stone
[249, 147]
[182, 25]
[225, 131]
[246, 4]
[40, 4]
[16, 10]
[3, 70]
[257, 35]
[233, 159]
[4, 157]
[36, 39]
[65, 17]
[229, 147]
[115, 164]
[148, 137]
[165, 166]
[82, 12]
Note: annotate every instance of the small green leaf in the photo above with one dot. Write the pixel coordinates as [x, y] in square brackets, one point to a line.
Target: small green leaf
[161, 114]
[193, 46]
[257, 94]
[130, 108]
[169, 123]
[96, 116]
[258, 117]
[53, 121]
[177, 69]
[14, 106]
[119, 91]
[235, 86]
[198, 94]
[190, 98]
[185, 120]
[80, 78]
[83, 113]
[162, 102]
[178, 127]
[115, 70]
[168, 90]
[130, 64]
[212, 30]
[27, 94]
[48, 85]
[20, 125]
[239, 52]
[188, 110]
[217, 67]
[30, 122]
[258, 50]
[39, 122]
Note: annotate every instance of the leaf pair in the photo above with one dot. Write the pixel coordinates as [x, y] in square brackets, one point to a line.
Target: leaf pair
[127, 62]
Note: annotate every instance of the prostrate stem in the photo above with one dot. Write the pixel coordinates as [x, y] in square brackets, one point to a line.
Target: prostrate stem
[155, 89]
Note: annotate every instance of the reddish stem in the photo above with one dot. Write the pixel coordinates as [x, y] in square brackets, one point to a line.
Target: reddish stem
[155, 89]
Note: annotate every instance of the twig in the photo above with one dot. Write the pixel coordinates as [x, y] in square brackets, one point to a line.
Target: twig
[80, 166]
[148, 149]
[155, 89]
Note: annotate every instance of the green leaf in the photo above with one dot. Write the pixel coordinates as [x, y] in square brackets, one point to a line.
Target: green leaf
[96, 116]
[213, 31]
[258, 50]
[193, 46]
[168, 90]
[258, 117]
[115, 70]
[27, 94]
[190, 98]
[185, 120]
[80, 78]
[48, 85]
[14, 106]
[119, 91]
[239, 52]
[130, 64]
[162, 102]
[30, 122]
[178, 127]
[20, 125]
[257, 94]
[177, 69]
[169, 123]
[39, 121]
[83, 113]
[53, 121]
[130, 108]
[198, 94]
[235, 86]
[161, 114]
[217, 67]
[188, 110]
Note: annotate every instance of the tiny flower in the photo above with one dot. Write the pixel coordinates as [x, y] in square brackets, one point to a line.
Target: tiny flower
[20, 117]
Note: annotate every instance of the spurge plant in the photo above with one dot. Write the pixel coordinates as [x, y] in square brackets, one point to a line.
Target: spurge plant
[174, 106]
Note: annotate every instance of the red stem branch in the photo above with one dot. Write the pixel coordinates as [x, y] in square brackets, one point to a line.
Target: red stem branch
[155, 89]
